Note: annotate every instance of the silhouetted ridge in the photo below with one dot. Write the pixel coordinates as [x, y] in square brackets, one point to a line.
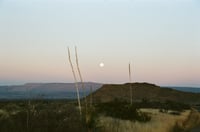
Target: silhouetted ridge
[110, 92]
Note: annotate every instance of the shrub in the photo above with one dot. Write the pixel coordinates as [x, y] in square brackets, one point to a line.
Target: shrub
[44, 116]
[122, 110]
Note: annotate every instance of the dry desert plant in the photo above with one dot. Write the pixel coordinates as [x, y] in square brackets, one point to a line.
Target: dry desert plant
[130, 81]
[160, 122]
[81, 79]
[76, 83]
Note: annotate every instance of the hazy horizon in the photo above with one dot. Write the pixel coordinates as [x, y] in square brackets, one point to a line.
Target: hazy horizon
[24, 83]
[159, 37]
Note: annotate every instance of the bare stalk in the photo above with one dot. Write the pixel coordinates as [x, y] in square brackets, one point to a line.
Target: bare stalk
[28, 104]
[91, 91]
[80, 76]
[75, 80]
[131, 96]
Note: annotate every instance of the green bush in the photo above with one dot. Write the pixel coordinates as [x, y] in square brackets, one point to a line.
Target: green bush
[43, 116]
[122, 110]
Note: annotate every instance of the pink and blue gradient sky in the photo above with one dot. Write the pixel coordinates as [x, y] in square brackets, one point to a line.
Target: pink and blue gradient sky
[161, 38]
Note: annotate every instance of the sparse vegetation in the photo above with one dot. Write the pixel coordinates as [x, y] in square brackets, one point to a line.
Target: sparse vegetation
[190, 122]
[164, 106]
[122, 110]
[160, 122]
[45, 116]
[116, 116]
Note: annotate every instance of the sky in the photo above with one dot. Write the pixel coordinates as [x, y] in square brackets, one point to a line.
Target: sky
[160, 38]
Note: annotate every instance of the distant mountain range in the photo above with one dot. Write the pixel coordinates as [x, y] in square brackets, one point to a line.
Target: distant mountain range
[110, 92]
[68, 91]
[186, 89]
[45, 90]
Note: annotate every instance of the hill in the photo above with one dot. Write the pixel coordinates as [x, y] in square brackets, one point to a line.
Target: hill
[110, 92]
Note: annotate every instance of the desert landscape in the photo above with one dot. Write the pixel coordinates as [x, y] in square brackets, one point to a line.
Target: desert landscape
[107, 109]
[99, 66]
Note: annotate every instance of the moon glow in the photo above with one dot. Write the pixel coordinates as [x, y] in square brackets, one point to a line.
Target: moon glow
[101, 64]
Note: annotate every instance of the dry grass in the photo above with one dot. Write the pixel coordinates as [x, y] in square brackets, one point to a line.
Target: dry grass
[160, 122]
[192, 121]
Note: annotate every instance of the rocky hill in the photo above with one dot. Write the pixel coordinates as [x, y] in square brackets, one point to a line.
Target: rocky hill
[141, 91]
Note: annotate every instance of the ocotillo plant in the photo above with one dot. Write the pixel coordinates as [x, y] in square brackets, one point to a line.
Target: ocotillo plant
[27, 110]
[131, 96]
[91, 91]
[81, 79]
[76, 83]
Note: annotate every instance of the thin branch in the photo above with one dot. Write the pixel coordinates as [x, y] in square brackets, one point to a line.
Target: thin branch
[131, 96]
[75, 80]
[80, 76]
[91, 91]
[28, 105]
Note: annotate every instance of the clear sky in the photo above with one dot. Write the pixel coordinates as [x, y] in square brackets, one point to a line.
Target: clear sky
[161, 39]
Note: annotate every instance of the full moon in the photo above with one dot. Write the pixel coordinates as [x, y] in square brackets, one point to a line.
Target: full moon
[101, 64]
